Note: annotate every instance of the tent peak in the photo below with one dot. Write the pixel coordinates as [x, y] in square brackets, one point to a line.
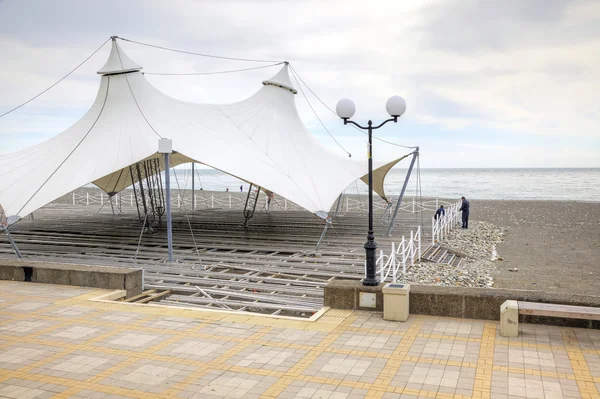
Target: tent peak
[118, 61]
[282, 79]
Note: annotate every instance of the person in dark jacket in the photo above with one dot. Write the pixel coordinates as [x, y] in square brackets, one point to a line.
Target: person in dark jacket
[464, 208]
[440, 212]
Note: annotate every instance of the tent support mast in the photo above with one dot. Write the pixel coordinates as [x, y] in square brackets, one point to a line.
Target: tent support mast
[13, 244]
[323, 233]
[339, 204]
[193, 202]
[168, 201]
[250, 205]
[412, 164]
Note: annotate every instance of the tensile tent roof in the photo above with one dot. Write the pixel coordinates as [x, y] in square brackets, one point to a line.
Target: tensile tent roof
[260, 140]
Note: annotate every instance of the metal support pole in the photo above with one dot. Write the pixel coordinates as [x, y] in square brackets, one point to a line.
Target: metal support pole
[193, 199]
[412, 164]
[13, 244]
[337, 208]
[327, 224]
[370, 246]
[169, 221]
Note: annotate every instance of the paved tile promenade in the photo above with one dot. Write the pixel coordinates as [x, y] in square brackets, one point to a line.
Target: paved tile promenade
[57, 343]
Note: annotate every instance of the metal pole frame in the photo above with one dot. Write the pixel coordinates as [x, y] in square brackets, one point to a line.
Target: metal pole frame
[412, 164]
[370, 246]
[193, 202]
[13, 244]
[168, 206]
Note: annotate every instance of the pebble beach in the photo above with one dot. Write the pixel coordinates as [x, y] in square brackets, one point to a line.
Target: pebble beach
[552, 246]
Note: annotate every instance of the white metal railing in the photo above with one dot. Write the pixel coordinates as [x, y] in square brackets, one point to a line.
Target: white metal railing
[226, 200]
[401, 257]
[441, 226]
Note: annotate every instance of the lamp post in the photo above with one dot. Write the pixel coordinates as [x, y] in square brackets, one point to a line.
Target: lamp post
[345, 109]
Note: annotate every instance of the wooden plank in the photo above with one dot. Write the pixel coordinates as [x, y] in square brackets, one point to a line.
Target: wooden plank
[143, 294]
[555, 310]
[155, 297]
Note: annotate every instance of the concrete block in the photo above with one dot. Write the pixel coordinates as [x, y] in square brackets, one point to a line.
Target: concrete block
[50, 276]
[436, 304]
[12, 273]
[77, 278]
[340, 295]
[485, 307]
[133, 278]
[97, 279]
[509, 319]
[116, 281]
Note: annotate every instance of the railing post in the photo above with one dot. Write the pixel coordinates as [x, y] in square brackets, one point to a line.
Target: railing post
[403, 256]
[87, 199]
[393, 263]
[419, 242]
[212, 200]
[381, 263]
[432, 231]
[412, 249]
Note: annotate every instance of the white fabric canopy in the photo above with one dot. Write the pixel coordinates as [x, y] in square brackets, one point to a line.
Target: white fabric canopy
[261, 140]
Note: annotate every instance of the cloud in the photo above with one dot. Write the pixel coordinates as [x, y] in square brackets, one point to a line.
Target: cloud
[524, 68]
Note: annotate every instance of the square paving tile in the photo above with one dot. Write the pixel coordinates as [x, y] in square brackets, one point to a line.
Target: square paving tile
[147, 375]
[346, 367]
[268, 358]
[229, 385]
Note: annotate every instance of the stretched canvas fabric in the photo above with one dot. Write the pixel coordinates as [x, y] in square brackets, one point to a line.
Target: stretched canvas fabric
[261, 140]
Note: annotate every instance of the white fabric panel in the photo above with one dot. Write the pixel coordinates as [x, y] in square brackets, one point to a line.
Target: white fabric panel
[260, 140]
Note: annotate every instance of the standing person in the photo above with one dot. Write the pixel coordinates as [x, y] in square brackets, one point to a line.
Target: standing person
[440, 212]
[241, 188]
[464, 208]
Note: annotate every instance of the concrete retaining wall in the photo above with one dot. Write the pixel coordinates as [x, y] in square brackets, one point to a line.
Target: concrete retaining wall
[114, 278]
[466, 303]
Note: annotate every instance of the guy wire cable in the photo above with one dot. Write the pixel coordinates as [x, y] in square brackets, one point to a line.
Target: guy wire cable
[314, 112]
[60, 80]
[210, 73]
[333, 112]
[198, 54]
[133, 95]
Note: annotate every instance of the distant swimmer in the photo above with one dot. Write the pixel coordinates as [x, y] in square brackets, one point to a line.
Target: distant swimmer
[440, 212]
[241, 188]
[464, 208]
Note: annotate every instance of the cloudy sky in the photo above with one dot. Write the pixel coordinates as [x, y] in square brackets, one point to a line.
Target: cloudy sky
[514, 83]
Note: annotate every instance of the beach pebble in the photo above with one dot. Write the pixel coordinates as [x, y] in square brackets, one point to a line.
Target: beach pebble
[477, 244]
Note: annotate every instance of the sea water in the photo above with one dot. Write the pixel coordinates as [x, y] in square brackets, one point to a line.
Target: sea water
[572, 184]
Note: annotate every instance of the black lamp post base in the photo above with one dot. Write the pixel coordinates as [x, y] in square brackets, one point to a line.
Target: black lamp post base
[370, 280]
